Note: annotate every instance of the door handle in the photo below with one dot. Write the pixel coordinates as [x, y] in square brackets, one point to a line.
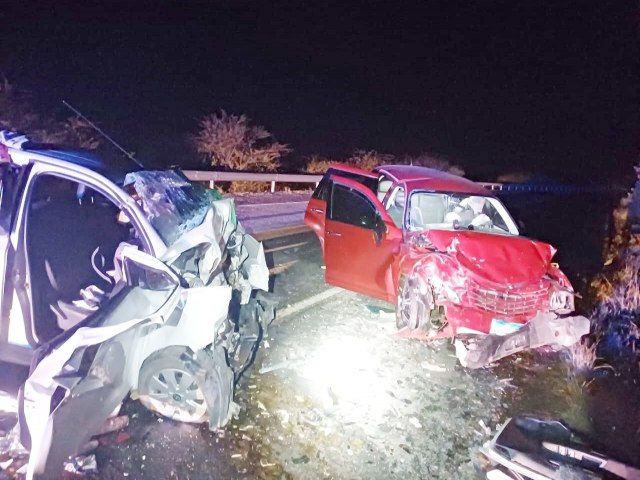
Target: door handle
[317, 210]
[334, 234]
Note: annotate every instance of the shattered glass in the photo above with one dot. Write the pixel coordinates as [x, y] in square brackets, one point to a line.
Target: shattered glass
[172, 204]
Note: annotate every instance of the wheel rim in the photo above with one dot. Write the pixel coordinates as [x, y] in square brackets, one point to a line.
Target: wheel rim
[412, 307]
[175, 393]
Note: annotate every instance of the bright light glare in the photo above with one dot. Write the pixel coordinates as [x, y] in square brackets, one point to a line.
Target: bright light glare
[346, 372]
[8, 403]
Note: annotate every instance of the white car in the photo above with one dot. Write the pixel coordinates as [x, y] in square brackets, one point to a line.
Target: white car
[114, 285]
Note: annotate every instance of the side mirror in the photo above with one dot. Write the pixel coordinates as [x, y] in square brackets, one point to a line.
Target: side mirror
[141, 270]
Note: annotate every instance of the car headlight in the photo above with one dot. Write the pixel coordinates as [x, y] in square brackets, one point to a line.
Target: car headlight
[561, 301]
[450, 294]
[443, 290]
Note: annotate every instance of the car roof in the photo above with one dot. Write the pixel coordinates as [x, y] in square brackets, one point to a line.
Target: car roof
[83, 158]
[424, 178]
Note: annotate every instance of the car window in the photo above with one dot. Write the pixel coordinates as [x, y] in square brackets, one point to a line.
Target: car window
[352, 207]
[395, 206]
[384, 184]
[9, 184]
[323, 189]
[459, 211]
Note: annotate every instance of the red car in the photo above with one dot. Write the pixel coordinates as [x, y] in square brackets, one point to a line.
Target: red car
[442, 248]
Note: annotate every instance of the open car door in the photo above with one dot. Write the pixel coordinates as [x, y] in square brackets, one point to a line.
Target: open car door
[361, 241]
[81, 377]
[14, 341]
[315, 214]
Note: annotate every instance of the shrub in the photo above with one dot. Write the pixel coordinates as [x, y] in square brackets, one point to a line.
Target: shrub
[317, 164]
[431, 161]
[231, 142]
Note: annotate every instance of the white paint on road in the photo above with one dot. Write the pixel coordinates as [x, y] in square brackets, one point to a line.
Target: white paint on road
[308, 302]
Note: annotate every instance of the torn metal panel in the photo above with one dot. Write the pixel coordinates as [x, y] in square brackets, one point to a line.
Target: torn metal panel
[74, 381]
[544, 329]
[540, 449]
[217, 384]
[67, 383]
[218, 251]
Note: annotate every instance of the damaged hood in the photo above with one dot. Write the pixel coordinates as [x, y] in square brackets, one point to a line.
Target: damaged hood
[206, 244]
[503, 259]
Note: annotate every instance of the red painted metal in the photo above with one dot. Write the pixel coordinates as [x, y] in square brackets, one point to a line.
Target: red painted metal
[476, 277]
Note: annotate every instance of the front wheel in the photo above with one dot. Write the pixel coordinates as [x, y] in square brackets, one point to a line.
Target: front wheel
[172, 384]
[415, 300]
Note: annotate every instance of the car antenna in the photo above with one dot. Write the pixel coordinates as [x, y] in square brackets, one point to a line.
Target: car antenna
[97, 129]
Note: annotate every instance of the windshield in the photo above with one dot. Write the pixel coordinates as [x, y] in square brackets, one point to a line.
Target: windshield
[453, 211]
[172, 204]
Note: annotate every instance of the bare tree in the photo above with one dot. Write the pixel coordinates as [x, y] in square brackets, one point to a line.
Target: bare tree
[231, 142]
[18, 113]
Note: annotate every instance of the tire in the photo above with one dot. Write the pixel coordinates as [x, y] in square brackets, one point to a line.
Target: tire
[413, 307]
[173, 382]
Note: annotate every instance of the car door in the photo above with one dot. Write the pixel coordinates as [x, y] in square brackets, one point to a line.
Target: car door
[79, 378]
[315, 214]
[361, 241]
[14, 339]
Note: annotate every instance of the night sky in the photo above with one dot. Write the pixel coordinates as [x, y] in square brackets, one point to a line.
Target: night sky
[548, 87]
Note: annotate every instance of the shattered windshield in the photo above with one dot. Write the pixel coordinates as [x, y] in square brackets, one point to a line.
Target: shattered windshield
[172, 203]
[459, 211]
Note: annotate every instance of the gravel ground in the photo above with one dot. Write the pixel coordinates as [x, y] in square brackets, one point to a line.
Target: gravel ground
[343, 397]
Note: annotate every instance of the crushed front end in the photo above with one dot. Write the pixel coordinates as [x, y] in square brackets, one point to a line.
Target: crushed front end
[469, 283]
[175, 332]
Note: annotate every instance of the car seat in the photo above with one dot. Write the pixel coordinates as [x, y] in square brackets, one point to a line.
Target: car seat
[426, 210]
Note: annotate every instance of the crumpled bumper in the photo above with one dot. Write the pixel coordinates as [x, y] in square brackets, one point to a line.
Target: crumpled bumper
[543, 329]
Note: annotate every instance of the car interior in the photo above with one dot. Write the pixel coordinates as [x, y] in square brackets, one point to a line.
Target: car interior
[72, 233]
[426, 210]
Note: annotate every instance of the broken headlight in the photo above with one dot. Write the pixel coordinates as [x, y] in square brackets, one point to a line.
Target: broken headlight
[561, 301]
[444, 291]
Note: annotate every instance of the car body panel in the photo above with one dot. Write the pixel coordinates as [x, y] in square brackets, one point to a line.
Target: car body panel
[493, 257]
[90, 394]
[424, 178]
[357, 257]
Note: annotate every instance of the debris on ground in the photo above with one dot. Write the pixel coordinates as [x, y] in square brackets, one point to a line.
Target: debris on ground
[545, 449]
[82, 465]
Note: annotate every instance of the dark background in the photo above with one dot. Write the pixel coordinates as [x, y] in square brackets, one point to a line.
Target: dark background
[496, 86]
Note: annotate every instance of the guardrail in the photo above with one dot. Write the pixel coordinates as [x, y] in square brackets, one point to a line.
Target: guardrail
[273, 178]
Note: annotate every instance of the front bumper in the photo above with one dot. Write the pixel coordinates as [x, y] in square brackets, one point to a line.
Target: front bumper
[543, 329]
